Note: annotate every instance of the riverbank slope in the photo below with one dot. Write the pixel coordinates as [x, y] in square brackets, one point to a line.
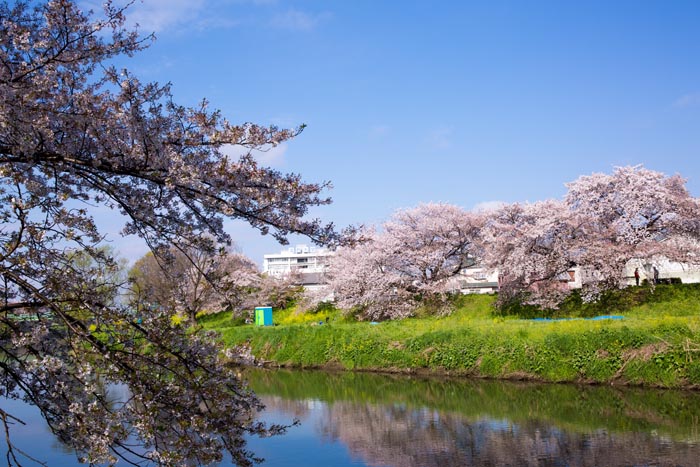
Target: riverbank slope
[655, 343]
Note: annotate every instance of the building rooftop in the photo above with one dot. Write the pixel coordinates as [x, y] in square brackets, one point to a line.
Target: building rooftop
[300, 250]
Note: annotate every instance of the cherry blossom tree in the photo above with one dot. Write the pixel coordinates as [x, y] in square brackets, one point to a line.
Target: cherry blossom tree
[408, 263]
[433, 242]
[76, 133]
[531, 246]
[238, 280]
[636, 213]
[363, 280]
[603, 223]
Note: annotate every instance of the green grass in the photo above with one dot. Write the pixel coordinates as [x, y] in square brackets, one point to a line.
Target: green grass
[657, 343]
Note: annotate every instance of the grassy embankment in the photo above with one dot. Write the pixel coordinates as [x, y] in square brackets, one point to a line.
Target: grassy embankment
[656, 344]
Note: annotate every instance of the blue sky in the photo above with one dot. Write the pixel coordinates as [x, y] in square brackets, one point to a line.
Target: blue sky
[451, 101]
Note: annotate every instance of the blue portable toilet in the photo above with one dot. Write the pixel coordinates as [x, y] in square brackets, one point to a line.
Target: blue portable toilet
[263, 316]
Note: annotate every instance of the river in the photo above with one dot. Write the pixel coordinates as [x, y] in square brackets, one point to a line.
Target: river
[358, 419]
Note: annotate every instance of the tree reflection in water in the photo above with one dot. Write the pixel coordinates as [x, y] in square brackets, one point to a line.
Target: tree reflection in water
[462, 423]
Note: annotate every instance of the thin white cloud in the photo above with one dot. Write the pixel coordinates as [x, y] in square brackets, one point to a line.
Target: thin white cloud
[285, 121]
[168, 15]
[272, 157]
[377, 131]
[234, 151]
[214, 22]
[440, 138]
[269, 157]
[158, 15]
[296, 20]
[688, 100]
[176, 16]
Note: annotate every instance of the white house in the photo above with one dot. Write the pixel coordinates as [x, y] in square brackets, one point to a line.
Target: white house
[479, 280]
[475, 279]
[307, 264]
[666, 271]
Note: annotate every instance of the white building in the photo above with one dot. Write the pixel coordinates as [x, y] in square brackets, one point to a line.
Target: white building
[475, 279]
[667, 271]
[306, 263]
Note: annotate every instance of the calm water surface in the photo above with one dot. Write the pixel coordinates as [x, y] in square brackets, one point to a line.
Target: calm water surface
[372, 420]
[352, 419]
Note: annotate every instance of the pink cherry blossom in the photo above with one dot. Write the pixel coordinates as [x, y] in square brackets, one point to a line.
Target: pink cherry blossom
[603, 222]
[408, 262]
[76, 133]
